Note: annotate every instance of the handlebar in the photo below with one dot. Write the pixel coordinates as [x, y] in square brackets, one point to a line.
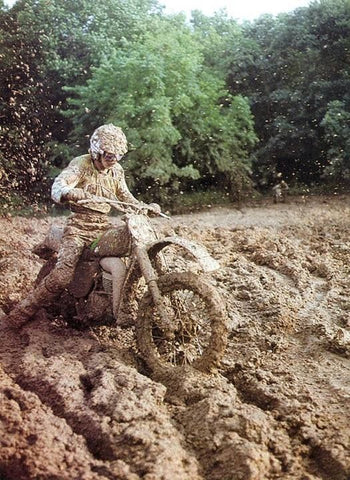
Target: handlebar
[121, 206]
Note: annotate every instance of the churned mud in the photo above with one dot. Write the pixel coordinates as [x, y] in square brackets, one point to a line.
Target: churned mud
[82, 404]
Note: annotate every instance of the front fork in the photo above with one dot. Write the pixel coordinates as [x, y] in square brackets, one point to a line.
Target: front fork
[151, 278]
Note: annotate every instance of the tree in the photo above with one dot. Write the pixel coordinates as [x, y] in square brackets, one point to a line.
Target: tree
[23, 130]
[298, 63]
[336, 123]
[160, 92]
[44, 46]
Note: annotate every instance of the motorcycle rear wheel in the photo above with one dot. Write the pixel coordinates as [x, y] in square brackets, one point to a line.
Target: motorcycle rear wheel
[198, 312]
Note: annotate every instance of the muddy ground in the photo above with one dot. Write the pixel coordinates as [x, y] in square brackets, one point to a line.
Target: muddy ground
[81, 404]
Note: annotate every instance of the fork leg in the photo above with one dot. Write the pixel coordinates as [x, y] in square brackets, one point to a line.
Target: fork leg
[151, 278]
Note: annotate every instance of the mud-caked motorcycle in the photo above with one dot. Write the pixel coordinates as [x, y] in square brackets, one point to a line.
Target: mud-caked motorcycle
[179, 317]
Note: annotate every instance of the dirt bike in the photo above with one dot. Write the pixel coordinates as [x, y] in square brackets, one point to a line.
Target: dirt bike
[180, 318]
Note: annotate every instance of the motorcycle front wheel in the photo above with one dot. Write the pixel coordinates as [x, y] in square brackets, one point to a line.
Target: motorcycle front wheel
[197, 313]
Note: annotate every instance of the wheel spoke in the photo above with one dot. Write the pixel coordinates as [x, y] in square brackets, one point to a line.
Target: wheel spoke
[192, 333]
[194, 309]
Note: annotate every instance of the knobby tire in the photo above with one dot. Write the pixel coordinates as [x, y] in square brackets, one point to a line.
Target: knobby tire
[149, 335]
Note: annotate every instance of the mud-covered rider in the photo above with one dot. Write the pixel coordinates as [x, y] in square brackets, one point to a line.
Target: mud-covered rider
[280, 191]
[96, 173]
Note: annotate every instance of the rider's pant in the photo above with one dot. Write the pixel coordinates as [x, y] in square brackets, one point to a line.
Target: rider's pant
[80, 230]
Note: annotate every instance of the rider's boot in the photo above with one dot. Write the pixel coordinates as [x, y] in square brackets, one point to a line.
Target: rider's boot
[27, 308]
[21, 314]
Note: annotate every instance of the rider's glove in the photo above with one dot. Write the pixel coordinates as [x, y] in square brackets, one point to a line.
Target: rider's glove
[76, 194]
[154, 208]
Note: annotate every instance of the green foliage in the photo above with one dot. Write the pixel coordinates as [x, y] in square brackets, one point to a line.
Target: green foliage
[299, 63]
[138, 89]
[43, 46]
[24, 133]
[220, 37]
[336, 123]
[193, 98]
[170, 105]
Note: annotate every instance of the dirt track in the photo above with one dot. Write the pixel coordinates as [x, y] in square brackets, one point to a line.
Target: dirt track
[80, 405]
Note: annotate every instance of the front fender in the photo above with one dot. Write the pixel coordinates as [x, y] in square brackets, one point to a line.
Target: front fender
[200, 253]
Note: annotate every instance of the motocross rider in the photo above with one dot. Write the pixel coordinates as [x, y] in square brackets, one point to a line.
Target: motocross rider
[280, 191]
[96, 173]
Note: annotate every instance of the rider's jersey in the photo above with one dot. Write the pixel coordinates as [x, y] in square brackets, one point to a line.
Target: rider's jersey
[82, 173]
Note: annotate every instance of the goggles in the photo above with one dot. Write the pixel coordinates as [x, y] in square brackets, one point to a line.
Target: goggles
[111, 157]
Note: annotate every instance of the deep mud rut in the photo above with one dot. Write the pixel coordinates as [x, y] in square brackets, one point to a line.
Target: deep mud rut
[82, 405]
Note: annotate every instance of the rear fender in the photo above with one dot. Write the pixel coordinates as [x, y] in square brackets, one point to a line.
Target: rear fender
[200, 253]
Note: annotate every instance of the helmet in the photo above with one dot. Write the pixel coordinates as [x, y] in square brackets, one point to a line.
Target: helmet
[108, 138]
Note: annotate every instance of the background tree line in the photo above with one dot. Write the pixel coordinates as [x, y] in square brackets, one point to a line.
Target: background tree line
[207, 105]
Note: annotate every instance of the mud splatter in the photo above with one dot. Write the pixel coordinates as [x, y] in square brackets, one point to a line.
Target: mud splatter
[81, 404]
